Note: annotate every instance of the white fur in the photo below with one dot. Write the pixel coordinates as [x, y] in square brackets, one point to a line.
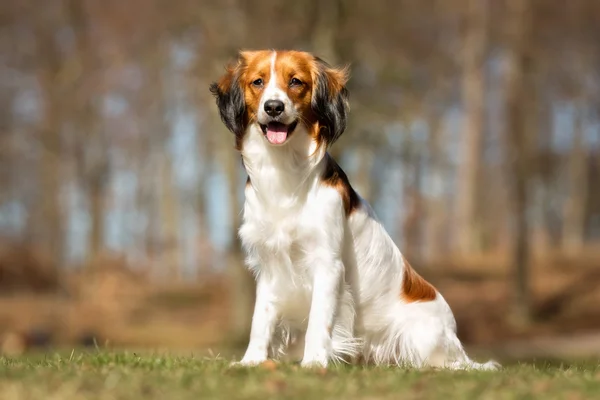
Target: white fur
[334, 280]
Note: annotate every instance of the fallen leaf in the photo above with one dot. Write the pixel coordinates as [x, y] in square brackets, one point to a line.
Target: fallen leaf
[269, 365]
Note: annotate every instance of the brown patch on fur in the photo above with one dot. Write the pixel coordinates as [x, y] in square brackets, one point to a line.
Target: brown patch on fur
[338, 77]
[414, 287]
[256, 65]
[334, 176]
[299, 65]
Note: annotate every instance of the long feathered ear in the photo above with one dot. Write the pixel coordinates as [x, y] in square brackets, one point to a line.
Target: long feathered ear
[230, 101]
[330, 100]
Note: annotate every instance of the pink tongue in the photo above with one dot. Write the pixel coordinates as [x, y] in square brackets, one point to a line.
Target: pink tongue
[276, 134]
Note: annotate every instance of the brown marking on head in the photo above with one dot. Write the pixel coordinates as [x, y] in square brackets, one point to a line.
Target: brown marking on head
[317, 90]
[334, 176]
[257, 65]
[414, 287]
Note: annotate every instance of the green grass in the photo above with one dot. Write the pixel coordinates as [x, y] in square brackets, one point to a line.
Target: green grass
[114, 375]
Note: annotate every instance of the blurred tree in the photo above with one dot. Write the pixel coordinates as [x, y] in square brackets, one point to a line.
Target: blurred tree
[473, 90]
[161, 128]
[47, 224]
[519, 107]
[579, 94]
[91, 150]
[575, 205]
[436, 210]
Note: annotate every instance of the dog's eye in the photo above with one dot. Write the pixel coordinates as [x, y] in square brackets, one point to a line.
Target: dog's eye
[258, 82]
[295, 82]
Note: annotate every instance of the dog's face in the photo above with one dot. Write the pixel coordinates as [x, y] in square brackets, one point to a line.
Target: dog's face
[279, 91]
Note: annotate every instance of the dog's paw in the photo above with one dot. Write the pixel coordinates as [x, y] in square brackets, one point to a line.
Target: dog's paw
[491, 365]
[248, 362]
[314, 362]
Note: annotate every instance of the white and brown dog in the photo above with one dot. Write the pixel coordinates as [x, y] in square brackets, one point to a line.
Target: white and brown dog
[326, 269]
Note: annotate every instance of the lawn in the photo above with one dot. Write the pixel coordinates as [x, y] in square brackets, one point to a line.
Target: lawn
[127, 375]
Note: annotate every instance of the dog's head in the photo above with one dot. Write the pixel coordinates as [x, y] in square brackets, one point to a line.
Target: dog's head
[279, 91]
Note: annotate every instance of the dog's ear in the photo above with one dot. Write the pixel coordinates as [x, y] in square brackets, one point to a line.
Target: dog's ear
[230, 99]
[330, 100]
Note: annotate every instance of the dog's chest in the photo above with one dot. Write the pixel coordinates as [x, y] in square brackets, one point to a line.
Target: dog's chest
[280, 248]
[275, 233]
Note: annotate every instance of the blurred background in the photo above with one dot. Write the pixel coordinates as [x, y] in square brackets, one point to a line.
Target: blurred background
[474, 133]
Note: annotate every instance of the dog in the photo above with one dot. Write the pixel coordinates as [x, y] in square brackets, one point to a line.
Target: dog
[326, 270]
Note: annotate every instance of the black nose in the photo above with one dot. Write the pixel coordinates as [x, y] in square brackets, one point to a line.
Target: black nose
[274, 107]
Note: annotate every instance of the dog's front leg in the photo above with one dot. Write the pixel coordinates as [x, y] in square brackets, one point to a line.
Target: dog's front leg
[263, 324]
[326, 289]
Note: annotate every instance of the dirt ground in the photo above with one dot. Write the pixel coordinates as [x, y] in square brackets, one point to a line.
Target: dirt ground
[110, 304]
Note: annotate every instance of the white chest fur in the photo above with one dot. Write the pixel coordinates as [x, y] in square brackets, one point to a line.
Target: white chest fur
[283, 241]
[285, 211]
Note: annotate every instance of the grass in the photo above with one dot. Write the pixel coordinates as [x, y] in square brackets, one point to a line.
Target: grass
[123, 375]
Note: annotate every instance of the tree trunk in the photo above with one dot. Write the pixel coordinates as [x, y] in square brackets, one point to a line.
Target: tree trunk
[92, 149]
[324, 28]
[475, 45]
[169, 204]
[95, 176]
[159, 132]
[541, 222]
[575, 207]
[205, 254]
[411, 182]
[96, 201]
[326, 22]
[206, 157]
[50, 222]
[47, 225]
[519, 107]
[434, 222]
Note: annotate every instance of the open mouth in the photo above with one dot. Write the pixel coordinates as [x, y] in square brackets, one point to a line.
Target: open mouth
[276, 132]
